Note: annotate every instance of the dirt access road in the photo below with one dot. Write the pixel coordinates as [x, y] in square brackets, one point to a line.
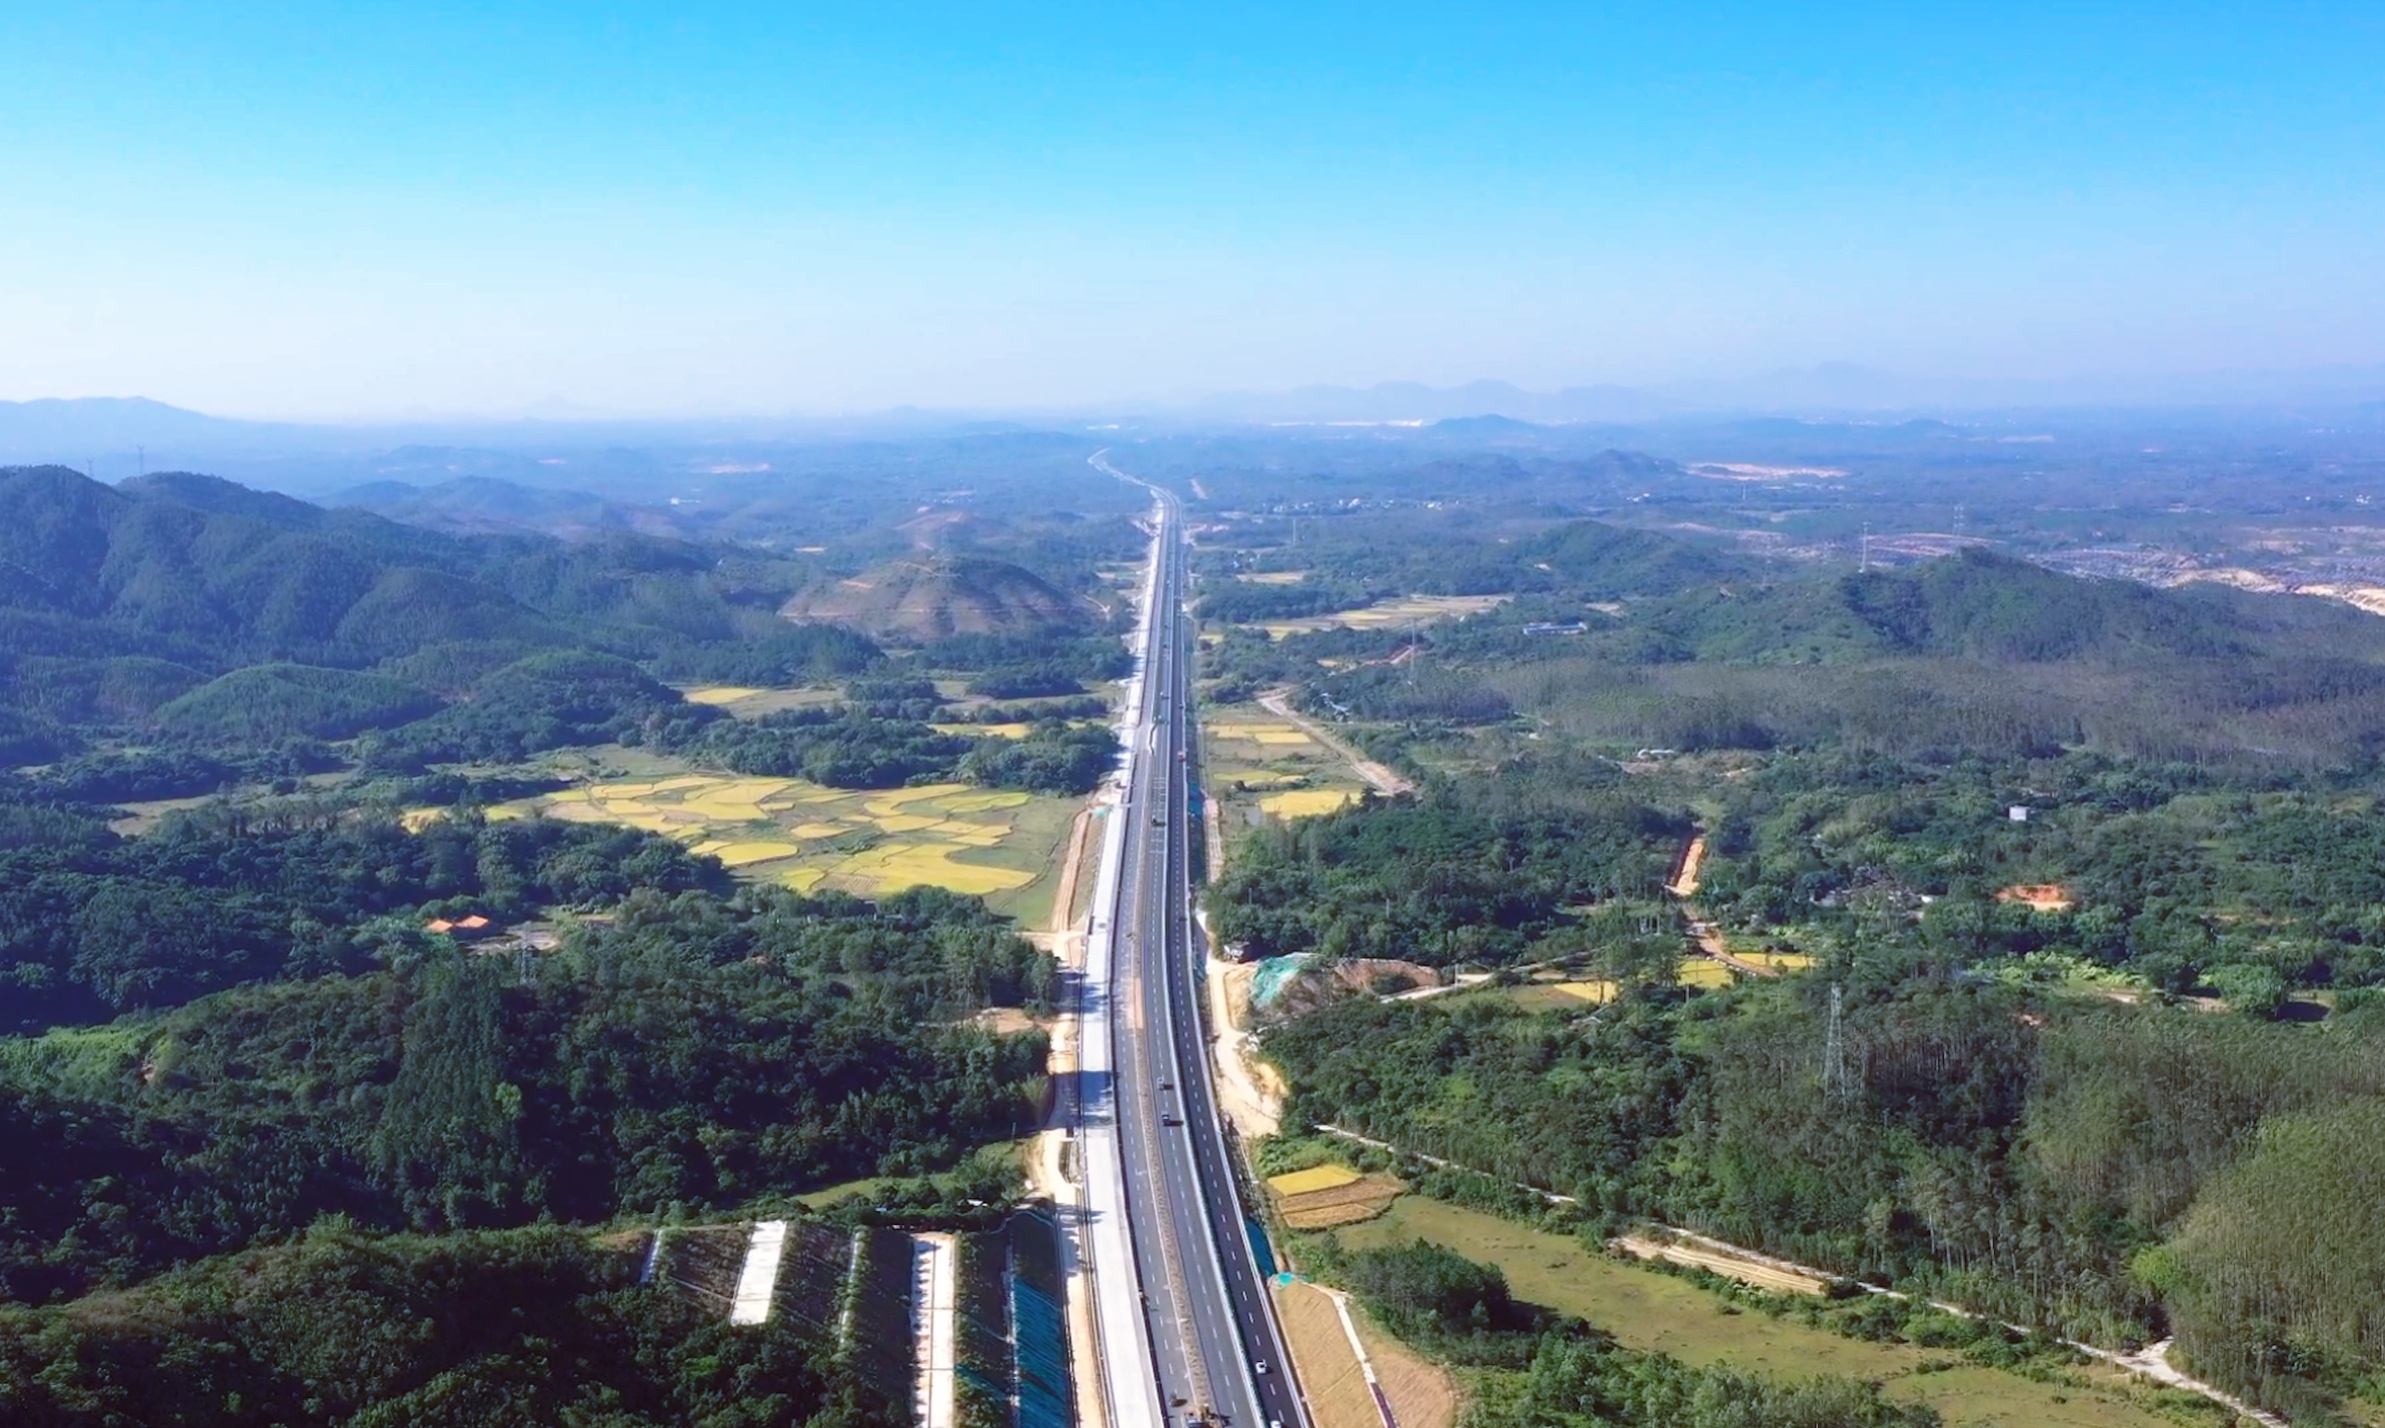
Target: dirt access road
[1382, 780]
[1709, 938]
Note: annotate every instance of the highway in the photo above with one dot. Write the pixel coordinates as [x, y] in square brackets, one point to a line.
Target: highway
[1210, 1326]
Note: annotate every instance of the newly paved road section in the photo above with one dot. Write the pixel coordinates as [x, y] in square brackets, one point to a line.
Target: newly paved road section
[1210, 1322]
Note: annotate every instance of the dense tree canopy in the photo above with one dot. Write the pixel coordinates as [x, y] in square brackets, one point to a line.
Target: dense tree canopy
[234, 896]
[689, 1050]
[1481, 872]
[538, 1325]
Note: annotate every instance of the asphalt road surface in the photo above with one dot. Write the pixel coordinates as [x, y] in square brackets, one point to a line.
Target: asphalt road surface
[1215, 1342]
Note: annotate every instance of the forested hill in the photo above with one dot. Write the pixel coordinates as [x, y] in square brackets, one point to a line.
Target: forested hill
[1988, 606]
[210, 576]
[1594, 560]
[1688, 603]
[234, 620]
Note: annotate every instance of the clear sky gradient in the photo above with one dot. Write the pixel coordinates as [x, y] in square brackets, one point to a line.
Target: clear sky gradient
[372, 210]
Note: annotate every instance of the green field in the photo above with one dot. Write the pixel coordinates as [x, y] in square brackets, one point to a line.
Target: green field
[1644, 1309]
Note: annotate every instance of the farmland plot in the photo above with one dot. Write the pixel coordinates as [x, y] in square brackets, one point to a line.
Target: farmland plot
[995, 843]
[1260, 762]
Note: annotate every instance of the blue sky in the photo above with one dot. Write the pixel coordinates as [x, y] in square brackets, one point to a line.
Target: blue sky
[364, 210]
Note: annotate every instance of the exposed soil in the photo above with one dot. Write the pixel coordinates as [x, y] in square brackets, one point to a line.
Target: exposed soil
[1314, 987]
[1684, 882]
[2040, 897]
[1064, 900]
[919, 600]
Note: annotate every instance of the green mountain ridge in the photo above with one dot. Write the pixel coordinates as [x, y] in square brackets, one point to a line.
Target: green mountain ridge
[194, 608]
[210, 573]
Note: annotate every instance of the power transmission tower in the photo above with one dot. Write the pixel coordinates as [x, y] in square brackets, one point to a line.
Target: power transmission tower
[1835, 1082]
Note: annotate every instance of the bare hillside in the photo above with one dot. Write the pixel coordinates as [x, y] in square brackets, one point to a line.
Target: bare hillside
[913, 601]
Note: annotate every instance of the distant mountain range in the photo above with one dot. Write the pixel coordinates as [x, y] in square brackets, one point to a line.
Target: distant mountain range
[1411, 402]
[1832, 389]
[115, 437]
[73, 431]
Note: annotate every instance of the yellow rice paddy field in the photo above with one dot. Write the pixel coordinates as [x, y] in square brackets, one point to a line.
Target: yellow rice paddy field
[1306, 802]
[986, 731]
[1316, 1177]
[719, 694]
[751, 702]
[1324, 1196]
[1411, 610]
[995, 843]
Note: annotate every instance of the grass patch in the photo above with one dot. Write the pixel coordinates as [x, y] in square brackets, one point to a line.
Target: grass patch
[1648, 1310]
[1704, 972]
[142, 816]
[1568, 996]
[1007, 1155]
[77, 1062]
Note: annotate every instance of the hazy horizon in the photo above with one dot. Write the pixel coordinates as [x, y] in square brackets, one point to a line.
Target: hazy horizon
[1820, 393]
[387, 213]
